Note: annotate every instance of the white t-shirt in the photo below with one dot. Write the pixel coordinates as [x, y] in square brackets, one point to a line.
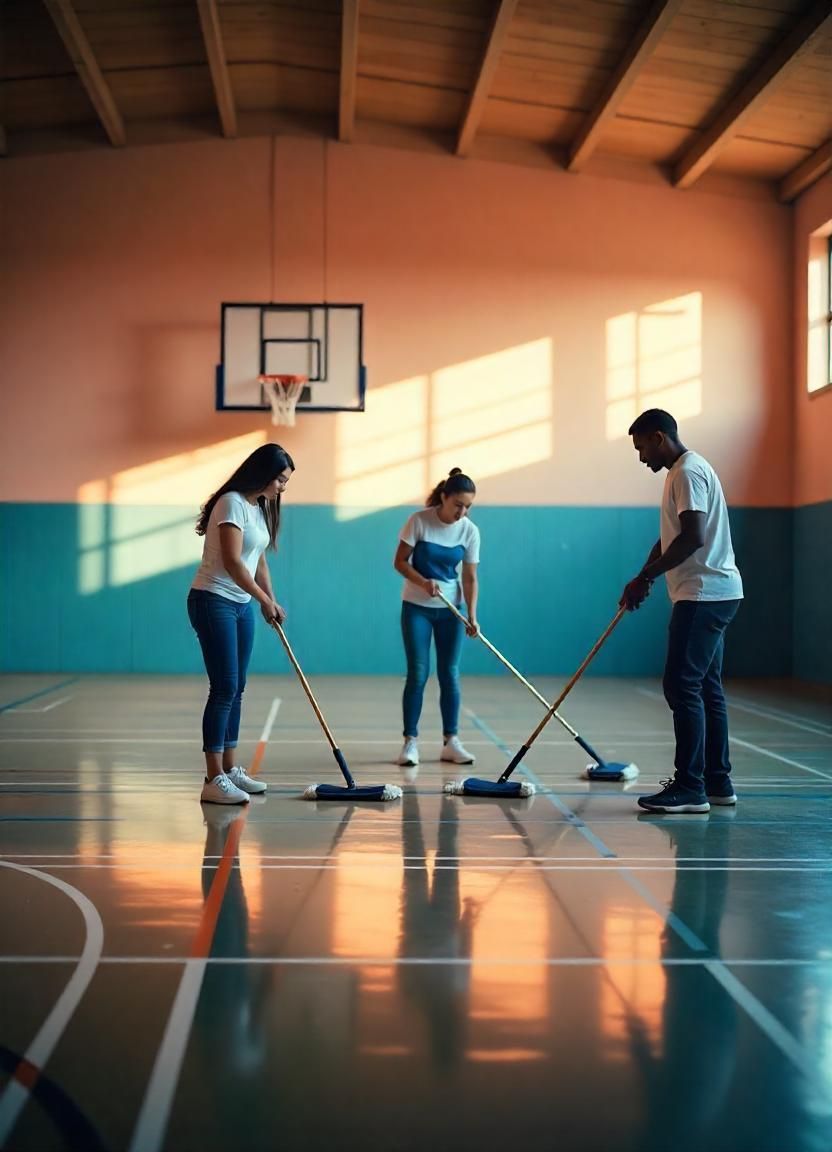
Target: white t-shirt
[211, 576]
[711, 573]
[438, 551]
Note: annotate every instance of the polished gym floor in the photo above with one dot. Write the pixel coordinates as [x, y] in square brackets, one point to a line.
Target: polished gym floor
[435, 973]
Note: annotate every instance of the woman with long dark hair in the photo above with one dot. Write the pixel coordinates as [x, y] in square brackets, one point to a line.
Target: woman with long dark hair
[239, 522]
[433, 544]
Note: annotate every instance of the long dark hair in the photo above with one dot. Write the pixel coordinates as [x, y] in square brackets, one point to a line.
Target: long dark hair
[456, 481]
[254, 474]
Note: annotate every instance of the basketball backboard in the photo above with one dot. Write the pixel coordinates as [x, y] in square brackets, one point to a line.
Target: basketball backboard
[321, 341]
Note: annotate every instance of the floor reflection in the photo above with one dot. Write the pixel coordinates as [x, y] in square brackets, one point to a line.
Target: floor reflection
[435, 925]
[689, 1083]
[230, 1016]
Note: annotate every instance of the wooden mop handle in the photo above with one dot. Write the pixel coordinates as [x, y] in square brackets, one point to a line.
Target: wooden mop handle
[279, 630]
[498, 654]
[598, 643]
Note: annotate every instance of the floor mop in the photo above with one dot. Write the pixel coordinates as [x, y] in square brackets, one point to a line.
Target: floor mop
[473, 786]
[600, 770]
[352, 792]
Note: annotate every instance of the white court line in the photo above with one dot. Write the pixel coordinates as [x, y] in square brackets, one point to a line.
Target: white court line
[447, 961]
[615, 865]
[813, 726]
[270, 719]
[152, 1122]
[756, 747]
[153, 1116]
[757, 1012]
[37, 1054]
[814, 729]
[45, 708]
[777, 756]
[768, 1023]
[350, 742]
[607, 862]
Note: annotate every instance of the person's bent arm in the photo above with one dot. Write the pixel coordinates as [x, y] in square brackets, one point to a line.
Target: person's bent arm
[231, 549]
[471, 591]
[691, 538]
[401, 563]
[263, 578]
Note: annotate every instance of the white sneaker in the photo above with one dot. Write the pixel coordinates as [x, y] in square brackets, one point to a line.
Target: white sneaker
[452, 750]
[409, 755]
[241, 779]
[222, 790]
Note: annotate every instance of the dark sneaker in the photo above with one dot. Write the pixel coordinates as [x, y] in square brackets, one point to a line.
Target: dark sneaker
[674, 798]
[721, 793]
[723, 799]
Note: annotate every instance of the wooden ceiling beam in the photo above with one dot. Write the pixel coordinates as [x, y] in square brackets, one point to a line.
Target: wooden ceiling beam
[806, 173]
[209, 18]
[762, 85]
[349, 70]
[639, 51]
[479, 94]
[81, 54]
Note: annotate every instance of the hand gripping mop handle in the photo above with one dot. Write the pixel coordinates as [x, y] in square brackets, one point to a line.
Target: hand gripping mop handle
[336, 751]
[518, 756]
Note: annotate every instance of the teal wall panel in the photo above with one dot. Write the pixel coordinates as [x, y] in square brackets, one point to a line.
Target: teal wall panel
[813, 592]
[97, 588]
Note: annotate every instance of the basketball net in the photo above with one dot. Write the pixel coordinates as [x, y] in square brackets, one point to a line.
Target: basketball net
[283, 393]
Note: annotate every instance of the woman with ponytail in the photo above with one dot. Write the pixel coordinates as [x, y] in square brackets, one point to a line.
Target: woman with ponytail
[239, 522]
[433, 545]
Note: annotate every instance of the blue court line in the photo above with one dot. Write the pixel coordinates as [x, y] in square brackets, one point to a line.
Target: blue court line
[765, 1020]
[37, 695]
[564, 809]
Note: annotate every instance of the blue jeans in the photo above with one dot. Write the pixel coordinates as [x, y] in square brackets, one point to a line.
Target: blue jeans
[418, 625]
[225, 629]
[693, 689]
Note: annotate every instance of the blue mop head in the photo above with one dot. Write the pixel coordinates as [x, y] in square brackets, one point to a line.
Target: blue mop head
[609, 770]
[379, 792]
[501, 790]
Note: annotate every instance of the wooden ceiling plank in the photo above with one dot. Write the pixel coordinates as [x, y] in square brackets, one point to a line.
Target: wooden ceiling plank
[479, 93]
[806, 173]
[349, 70]
[209, 18]
[638, 53]
[78, 46]
[774, 71]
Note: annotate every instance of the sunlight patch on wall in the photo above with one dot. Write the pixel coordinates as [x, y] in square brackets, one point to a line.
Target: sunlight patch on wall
[654, 360]
[819, 302]
[488, 416]
[493, 414]
[130, 524]
[380, 456]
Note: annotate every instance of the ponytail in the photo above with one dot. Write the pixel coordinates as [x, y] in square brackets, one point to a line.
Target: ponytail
[456, 481]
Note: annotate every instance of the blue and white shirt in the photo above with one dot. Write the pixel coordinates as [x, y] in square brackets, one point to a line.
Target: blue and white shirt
[438, 551]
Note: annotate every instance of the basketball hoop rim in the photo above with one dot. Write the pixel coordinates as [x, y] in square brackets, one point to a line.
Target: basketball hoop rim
[281, 378]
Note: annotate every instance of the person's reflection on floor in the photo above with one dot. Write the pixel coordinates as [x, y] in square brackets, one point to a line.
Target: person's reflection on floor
[230, 1015]
[435, 927]
[689, 1084]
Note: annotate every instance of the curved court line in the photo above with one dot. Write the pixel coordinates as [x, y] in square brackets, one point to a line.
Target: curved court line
[152, 1121]
[79, 1133]
[37, 1054]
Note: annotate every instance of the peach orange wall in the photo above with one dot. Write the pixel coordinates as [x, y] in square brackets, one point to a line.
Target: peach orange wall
[813, 412]
[579, 299]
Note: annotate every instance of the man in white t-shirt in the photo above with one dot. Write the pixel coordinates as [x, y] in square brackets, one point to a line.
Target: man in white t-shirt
[695, 555]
